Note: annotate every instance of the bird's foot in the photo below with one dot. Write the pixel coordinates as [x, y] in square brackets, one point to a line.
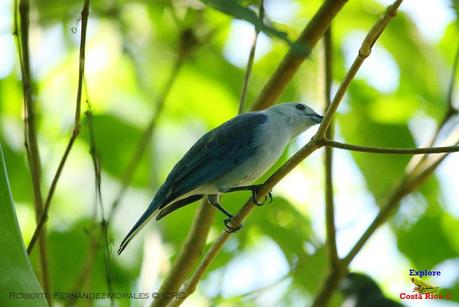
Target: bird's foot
[253, 188]
[230, 228]
[255, 196]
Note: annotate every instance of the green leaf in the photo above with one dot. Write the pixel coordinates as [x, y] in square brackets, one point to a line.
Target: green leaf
[17, 275]
[426, 242]
[233, 8]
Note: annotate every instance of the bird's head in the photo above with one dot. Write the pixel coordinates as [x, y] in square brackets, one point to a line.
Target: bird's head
[297, 116]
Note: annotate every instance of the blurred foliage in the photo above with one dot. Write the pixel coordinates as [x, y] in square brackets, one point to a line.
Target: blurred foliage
[131, 50]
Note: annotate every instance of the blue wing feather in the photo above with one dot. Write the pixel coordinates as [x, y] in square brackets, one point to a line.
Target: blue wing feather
[213, 155]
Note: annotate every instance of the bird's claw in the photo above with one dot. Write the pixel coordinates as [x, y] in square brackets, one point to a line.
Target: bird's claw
[255, 197]
[230, 228]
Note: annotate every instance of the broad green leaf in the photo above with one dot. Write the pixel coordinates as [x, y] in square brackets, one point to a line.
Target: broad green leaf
[16, 274]
[235, 9]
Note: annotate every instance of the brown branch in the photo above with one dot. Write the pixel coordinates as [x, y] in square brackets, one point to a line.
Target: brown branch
[30, 133]
[76, 129]
[328, 157]
[302, 48]
[304, 152]
[248, 72]
[393, 151]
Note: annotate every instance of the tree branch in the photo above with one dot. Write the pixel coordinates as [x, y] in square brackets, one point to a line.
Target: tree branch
[76, 128]
[328, 157]
[394, 151]
[97, 183]
[30, 133]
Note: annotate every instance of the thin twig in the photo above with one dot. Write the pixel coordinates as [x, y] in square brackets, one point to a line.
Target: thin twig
[450, 109]
[248, 72]
[304, 152]
[85, 271]
[76, 128]
[393, 151]
[98, 181]
[409, 183]
[452, 83]
[328, 157]
[30, 132]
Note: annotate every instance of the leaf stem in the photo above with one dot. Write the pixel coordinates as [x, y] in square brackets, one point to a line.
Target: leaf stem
[248, 72]
[76, 129]
[393, 151]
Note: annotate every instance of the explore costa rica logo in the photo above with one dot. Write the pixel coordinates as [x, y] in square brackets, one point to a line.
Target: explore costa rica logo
[423, 288]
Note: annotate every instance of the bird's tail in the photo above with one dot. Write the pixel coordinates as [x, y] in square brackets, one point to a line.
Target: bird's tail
[150, 213]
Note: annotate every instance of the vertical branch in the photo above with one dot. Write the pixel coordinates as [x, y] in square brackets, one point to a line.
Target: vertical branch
[328, 158]
[76, 128]
[103, 223]
[30, 140]
[248, 72]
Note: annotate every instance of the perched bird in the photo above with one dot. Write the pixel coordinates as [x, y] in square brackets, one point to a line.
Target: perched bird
[361, 290]
[228, 158]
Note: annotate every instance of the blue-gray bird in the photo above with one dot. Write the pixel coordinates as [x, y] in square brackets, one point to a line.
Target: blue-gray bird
[228, 158]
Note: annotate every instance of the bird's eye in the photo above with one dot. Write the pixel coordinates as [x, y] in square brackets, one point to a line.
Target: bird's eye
[300, 107]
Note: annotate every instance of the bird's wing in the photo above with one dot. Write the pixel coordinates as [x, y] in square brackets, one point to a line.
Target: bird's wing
[213, 155]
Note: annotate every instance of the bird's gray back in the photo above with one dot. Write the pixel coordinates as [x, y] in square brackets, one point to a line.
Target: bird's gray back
[214, 154]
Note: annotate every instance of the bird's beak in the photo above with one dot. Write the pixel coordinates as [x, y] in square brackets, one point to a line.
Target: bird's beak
[317, 118]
